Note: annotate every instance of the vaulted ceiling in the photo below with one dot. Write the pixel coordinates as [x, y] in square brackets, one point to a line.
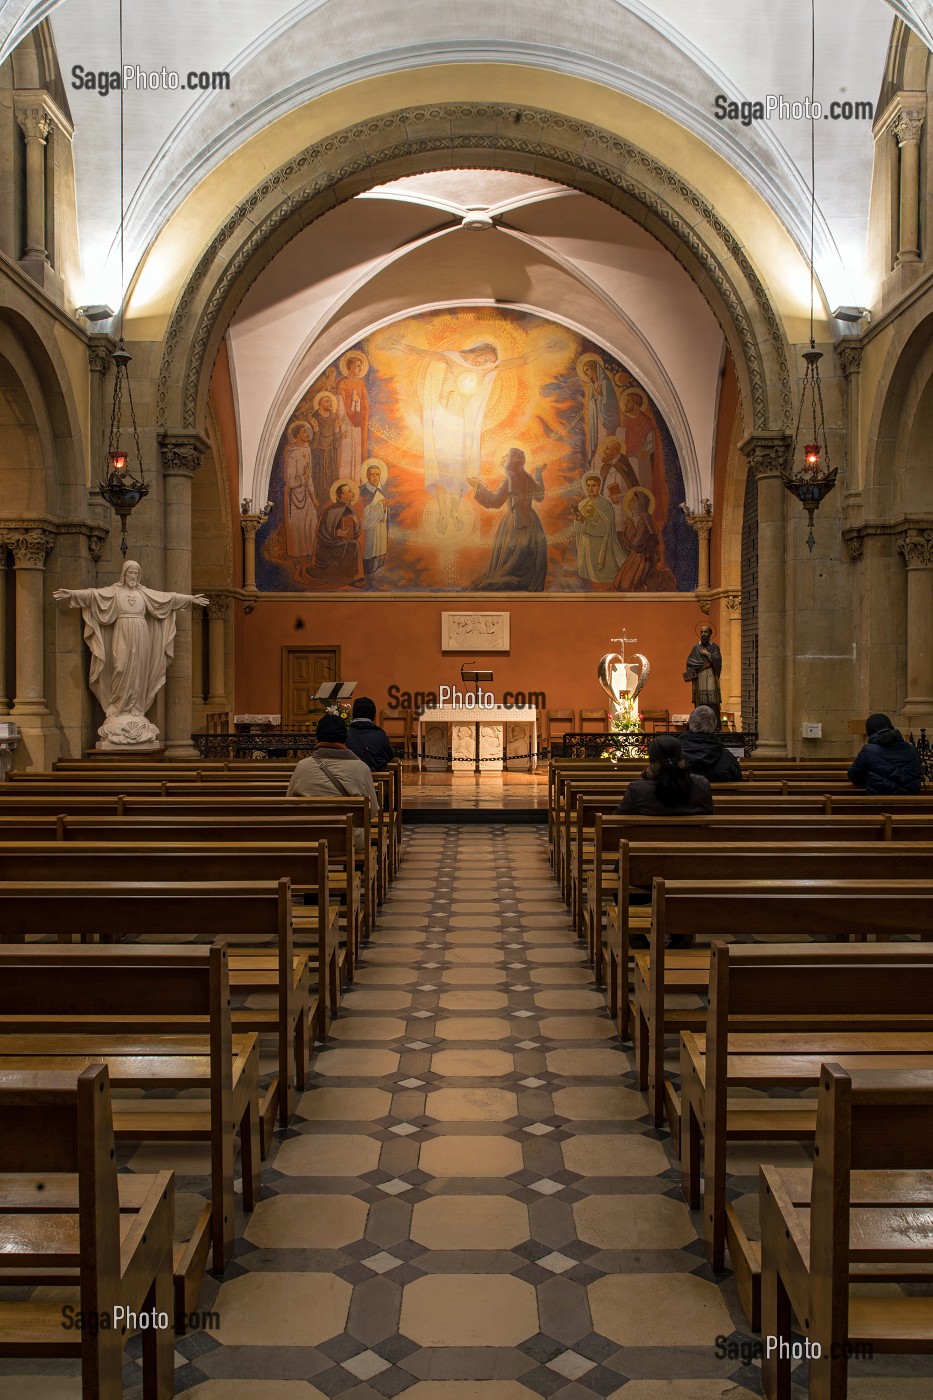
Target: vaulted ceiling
[671, 57]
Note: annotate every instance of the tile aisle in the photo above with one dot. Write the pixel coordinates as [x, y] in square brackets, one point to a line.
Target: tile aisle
[472, 1205]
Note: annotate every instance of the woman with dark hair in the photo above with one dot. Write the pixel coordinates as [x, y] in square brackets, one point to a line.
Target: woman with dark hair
[667, 787]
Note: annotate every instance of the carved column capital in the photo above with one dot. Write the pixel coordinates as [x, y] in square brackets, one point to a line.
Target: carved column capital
[99, 352]
[908, 125]
[855, 542]
[29, 547]
[700, 521]
[33, 120]
[850, 358]
[732, 598]
[917, 549]
[182, 452]
[766, 453]
[249, 524]
[217, 605]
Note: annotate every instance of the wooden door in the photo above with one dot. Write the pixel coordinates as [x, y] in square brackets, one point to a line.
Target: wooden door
[304, 670]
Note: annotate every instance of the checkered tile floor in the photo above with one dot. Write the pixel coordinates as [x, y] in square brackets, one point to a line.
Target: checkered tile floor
[472, 1203]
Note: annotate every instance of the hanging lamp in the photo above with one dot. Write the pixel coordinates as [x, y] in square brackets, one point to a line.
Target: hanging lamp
[122, 488]
[810, 476]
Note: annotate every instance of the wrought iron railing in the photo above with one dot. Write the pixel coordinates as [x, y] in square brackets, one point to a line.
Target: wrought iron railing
[613, 747]
[925, 751]
[270, 744]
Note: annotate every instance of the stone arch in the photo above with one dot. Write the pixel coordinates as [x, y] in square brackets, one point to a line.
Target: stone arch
[45, 387]
[486, 135]
[904, 387]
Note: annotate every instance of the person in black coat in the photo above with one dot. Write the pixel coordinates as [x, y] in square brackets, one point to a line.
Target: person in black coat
[366, 739]
[887, 765]
[704, 751]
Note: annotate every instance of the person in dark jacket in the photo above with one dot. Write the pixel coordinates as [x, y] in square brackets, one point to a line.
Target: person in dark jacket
[887, 765]
[667, 789]
[704, 751]
[366, 739]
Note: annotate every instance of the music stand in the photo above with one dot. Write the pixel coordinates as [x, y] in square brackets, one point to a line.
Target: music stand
[476, 677]
[332, 693]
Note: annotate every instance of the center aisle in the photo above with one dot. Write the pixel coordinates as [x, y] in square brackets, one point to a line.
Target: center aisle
[472, 1203]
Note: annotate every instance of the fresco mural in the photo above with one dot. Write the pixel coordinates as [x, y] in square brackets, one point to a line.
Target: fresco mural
[476, 450]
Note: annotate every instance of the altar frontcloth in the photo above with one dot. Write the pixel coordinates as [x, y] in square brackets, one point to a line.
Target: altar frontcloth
[478, 739]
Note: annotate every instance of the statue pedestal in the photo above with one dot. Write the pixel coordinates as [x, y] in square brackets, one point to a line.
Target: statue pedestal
[125, 750]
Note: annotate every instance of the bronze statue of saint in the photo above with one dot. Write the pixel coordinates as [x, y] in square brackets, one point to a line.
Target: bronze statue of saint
[704, 667]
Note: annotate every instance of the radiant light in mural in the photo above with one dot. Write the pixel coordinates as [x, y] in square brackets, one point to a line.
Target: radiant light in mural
[476, 449]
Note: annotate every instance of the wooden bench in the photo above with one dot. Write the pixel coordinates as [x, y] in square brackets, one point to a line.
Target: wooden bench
[181, 903]
[814, 859]
[864, 1214]
[602, 881]
[748, 909]
[775, 1015]
[126, 1007]
[66, 1215]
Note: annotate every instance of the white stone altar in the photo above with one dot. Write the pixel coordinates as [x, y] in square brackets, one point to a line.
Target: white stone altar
[484, 739]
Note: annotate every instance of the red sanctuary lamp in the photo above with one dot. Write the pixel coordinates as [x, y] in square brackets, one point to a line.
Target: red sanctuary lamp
[811, 481]
[120, 489]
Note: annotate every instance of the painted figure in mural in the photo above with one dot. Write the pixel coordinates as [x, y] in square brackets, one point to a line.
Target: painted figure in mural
[600, 404]
[456, 391]
[642, 572]
[599, 554]
[130, 631]
[338, 557]
[326, 424]
[703, 669]
[519, 552]
[300, 504]
[354, 428]
[374, 502]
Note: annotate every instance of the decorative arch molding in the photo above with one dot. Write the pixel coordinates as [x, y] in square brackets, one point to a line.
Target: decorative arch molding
[478, 135]
[907, 369]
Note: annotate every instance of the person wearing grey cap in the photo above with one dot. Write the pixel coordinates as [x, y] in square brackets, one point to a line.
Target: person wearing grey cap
[331, 769]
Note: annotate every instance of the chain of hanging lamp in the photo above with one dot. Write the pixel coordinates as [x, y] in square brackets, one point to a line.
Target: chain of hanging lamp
[121, 489]
[812, 479]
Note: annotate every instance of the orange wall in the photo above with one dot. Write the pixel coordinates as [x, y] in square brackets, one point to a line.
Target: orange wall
[556, 645]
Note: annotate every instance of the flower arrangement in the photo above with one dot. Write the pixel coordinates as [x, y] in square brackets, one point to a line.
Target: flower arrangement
[626, 719]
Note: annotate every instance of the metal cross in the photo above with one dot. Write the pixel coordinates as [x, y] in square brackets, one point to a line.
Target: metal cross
[622, 640]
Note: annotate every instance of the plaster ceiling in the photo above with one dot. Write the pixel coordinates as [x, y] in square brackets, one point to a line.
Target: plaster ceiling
[402, 247]
[671, 56]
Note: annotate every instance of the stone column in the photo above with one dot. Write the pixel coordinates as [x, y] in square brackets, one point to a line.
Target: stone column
[917, 549]
[732, 618]
[4, 698]
[30, 710]
[249, 524]
[766, 454]
[702, 523]
[216, 655]
[35, 125]
[907, 129]
[850, 360]
[182, 453]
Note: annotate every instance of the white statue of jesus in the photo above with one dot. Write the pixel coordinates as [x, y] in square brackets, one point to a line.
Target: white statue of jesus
[131, 634]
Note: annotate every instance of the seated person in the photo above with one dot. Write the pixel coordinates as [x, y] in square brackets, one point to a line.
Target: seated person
[667, 788]
[331, 770]
[704, 750]
[366, 739]
[887, 765]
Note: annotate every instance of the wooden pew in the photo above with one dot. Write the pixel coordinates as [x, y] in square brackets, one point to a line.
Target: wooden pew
[126, 1007]
[715, 830]
[865, 1005]
[815, 859]
[165, 894]
[749, 909]
[865, 1213]
[65, 1213]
